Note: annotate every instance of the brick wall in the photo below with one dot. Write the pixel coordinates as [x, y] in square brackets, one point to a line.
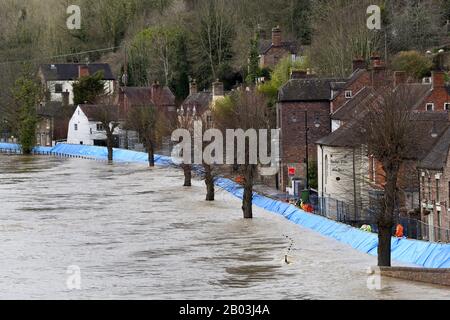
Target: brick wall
[439, 95]
[430, 185]
[434, 276]
[292, 124]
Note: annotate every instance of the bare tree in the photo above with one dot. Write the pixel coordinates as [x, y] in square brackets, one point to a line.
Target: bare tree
[393, 138]
[245, 110]
[150, 124]
[108, 116]
[185, 120]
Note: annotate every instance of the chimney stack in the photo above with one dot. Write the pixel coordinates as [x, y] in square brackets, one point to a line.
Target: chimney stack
[359, 63]
[193, 89]
[400, 77]
[276, 37]
[218, 90]
[83, 71]
[299, 74]
[65, 98]
[376, 61]
[438, 79]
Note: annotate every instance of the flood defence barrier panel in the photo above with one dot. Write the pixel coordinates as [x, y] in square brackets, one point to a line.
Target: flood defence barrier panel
[420, 253]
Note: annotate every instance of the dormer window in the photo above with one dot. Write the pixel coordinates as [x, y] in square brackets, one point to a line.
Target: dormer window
[447, 106]
[348, 94]
[430, 107]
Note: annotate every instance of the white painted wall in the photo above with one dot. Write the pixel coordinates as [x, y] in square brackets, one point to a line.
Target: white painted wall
[336, 178]
[82, 135]
[86, 131]
[68, 86]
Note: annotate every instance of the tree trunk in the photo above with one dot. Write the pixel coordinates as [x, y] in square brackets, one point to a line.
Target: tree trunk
[384, 246]
[187, 175]
[151, 154]
[386, 217]
[247, 201]
[209, 181]
[109, 145]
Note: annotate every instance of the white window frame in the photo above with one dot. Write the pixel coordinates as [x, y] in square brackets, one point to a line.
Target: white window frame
[348, 94]
[447, 106]
[429, 104]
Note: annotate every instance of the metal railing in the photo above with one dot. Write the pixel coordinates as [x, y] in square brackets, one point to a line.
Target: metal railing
[345, 213]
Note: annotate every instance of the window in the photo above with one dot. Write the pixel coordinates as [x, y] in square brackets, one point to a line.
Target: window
[429, 188]
[349, 94]
[423, 187]
[58, 88]
[437, 192]
[430, 107]
[100, 127]
[75, 127]
[90, 130]
[447, 106]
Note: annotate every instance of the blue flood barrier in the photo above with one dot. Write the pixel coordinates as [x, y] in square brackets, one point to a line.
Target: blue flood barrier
[420, 253]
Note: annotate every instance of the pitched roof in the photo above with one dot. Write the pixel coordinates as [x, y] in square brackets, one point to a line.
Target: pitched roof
[307, 90]
[92, 111]
[70, 71]
[436, 159]
[349, 136]
[266, 45]
[351, 108]
[201, 101]
[157, 95]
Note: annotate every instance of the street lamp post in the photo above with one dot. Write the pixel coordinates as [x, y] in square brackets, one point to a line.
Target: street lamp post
[317, 125]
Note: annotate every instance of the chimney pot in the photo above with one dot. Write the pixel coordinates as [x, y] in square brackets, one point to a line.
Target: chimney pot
[218, 90]
[193, 89]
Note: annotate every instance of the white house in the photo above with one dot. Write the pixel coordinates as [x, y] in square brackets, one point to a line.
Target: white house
[58, 79]
[85, 129]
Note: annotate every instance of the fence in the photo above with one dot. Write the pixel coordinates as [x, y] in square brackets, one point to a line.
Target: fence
[345, 213]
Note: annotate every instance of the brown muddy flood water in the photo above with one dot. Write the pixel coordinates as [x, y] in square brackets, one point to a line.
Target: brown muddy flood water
[135, 233]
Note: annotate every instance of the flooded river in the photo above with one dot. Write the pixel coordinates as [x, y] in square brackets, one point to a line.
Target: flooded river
[135, 233]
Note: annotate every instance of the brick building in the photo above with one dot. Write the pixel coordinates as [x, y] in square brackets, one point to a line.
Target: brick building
[303, 109]
[438, 95]
[434, 173]
[274, 50]
[309, 100]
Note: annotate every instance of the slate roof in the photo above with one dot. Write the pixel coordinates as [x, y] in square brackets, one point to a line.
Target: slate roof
[201, 101]
[436, 159]
[308, 89]
[69, 71]
[349, 135]
[266, 45]
[138, 96]
[92, 111]
[352, 107]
